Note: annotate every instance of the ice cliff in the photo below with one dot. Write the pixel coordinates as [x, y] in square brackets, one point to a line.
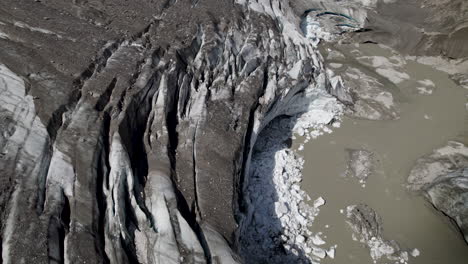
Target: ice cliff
[127, 128]
[127, 131]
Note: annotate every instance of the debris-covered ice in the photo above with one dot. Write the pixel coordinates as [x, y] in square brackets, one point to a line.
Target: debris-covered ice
[367, 228]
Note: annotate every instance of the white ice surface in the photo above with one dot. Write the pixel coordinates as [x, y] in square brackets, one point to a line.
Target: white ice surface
[415, 252]
[27, 142]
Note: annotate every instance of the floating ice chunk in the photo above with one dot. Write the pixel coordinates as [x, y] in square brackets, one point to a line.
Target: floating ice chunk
[317, 240]
[318, 252]
[315, 133]
[300, 239]
[327, 130]
[301, 147]
[393, 75]
[380, 61]
[415, 252]
[319, 202]
[427, 82]
[385, 98]
[379, 248]
[353, 76]
[349, 210]
[334, 54]
[424, 90]
[331, 252]
[336, 65]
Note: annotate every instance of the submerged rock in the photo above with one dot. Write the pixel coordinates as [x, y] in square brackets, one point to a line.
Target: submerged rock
[442, 177]
[418, 27]
[361, 88]
[460, 79]
[361, 164]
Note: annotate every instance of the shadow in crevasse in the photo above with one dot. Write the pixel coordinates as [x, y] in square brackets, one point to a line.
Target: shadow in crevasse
[273, 171]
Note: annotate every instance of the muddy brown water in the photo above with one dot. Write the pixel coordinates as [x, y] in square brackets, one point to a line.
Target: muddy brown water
[427, 122]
